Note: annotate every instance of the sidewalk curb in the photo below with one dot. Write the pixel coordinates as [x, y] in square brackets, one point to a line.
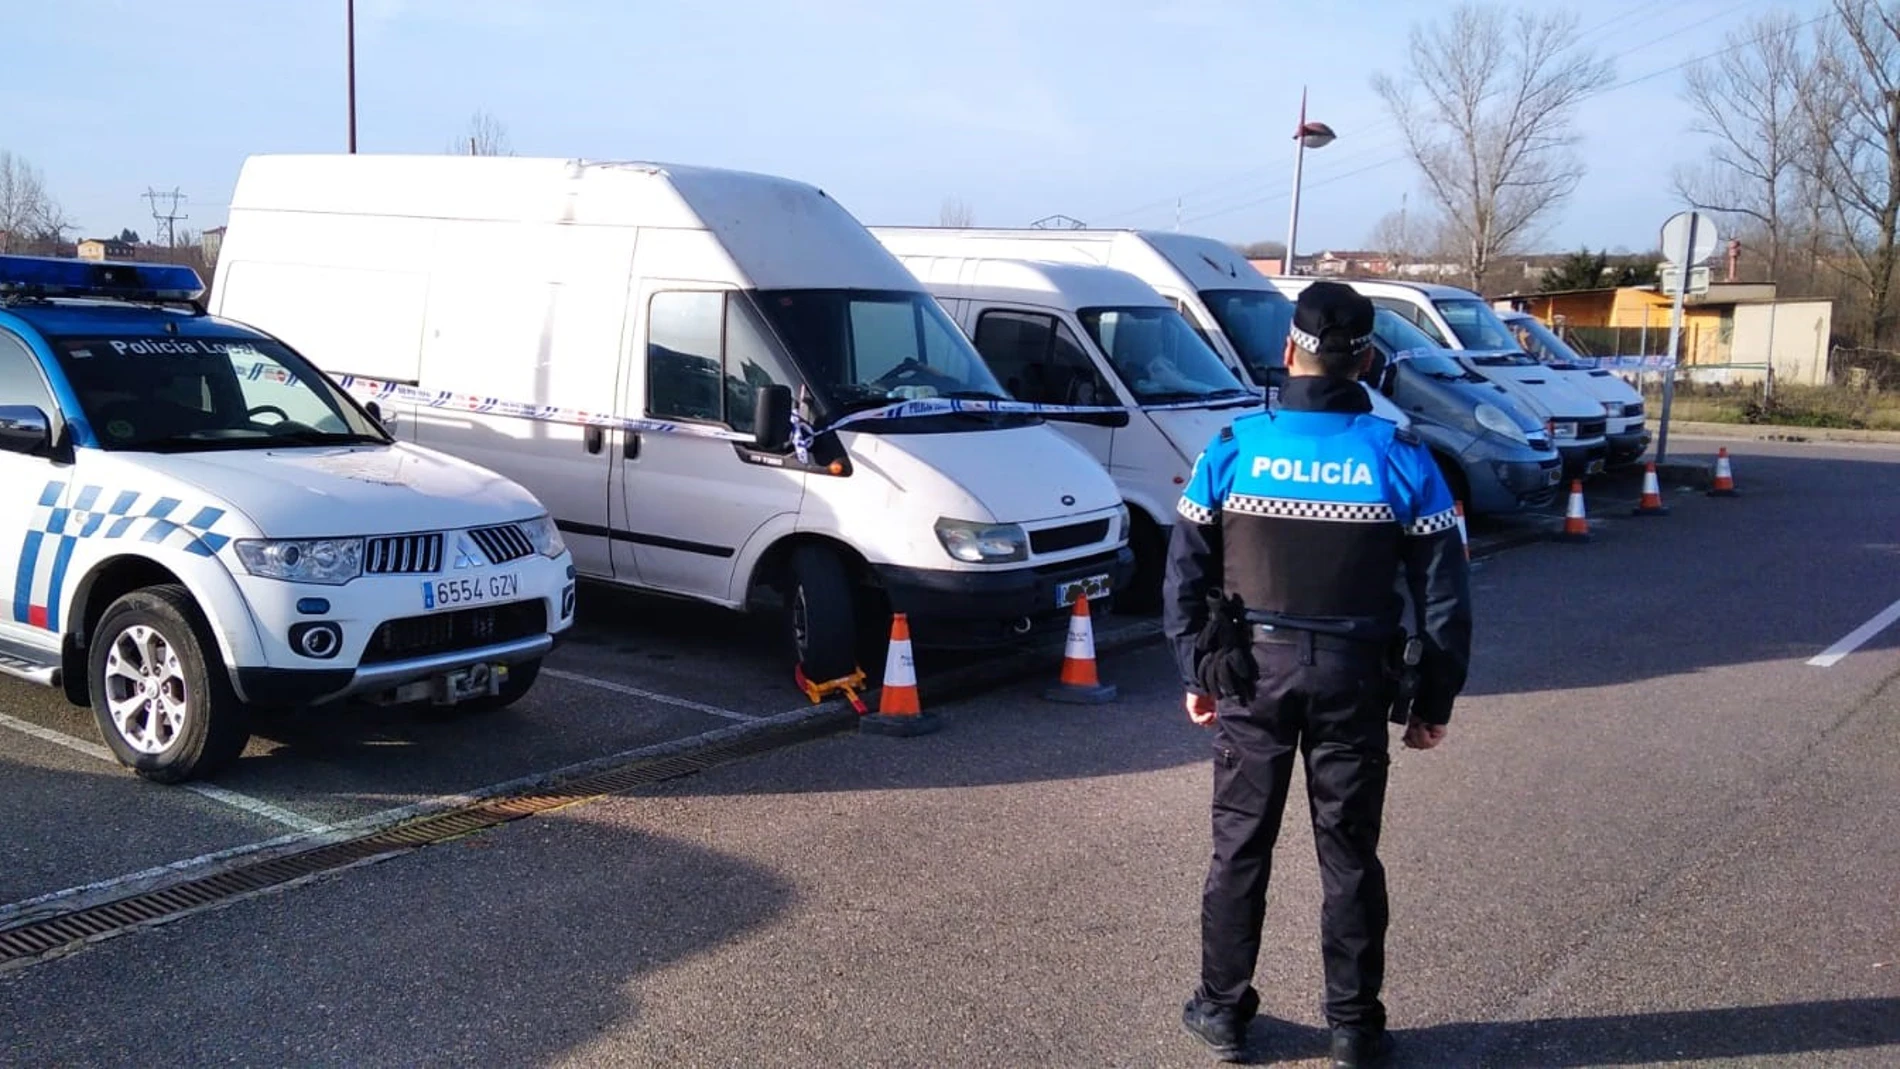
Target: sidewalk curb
[1767, 432]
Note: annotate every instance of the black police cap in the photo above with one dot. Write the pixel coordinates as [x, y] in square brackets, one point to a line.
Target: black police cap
[1332, 317]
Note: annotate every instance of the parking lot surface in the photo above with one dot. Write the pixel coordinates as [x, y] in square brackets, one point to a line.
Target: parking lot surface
[1658, 834]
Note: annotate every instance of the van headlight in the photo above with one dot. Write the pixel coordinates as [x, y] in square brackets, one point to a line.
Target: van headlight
[544, 536]
[1493, 419]
[1562, 429]
[1125, 525]
[983, 543]
[325, 561]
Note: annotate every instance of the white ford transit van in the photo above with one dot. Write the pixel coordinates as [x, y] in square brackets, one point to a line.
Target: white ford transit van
[625, 339]
[1077, 334]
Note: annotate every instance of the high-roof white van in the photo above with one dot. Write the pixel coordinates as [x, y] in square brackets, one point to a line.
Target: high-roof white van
[625, 340]
[1083, 335]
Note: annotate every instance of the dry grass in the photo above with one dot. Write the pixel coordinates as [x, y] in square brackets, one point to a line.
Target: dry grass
[1794, 406]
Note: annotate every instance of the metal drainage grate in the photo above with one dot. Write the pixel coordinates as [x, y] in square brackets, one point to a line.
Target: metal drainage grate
[39, 938]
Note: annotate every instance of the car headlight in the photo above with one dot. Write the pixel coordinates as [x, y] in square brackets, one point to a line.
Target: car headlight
[1613, 409]
[983, 543]
[544, 536]
[326, 561]
[1562, 428]
[1125, 525]
[1493, 419]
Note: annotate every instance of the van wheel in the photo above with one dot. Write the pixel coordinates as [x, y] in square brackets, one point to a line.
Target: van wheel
[1455, 479]
[823, 619]
[160, 692]
[1150, 546]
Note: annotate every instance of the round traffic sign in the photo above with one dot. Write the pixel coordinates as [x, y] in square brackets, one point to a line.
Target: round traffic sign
[1675, 238]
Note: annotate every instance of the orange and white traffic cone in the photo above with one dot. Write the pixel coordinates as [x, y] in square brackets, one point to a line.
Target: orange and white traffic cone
[1078, 683]
[1724, 485]
[899, 711]
[1464, 534]
[1576, 523]
[1652, 503]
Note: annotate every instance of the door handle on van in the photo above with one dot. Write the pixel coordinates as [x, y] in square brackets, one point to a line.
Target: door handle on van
[630, 445]
[594, 439]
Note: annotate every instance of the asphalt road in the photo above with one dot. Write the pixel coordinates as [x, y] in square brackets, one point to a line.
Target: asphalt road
[1657, 835]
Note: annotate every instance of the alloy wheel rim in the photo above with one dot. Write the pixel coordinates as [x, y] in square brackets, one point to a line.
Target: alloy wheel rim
[145, 689]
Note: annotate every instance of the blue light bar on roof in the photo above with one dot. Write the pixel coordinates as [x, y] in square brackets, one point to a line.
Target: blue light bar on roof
[44, 276]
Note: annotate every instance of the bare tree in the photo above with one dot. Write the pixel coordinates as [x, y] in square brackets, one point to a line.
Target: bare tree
[27, 212]
[1851, 100]
[485, 136]
[956, 212]
[1746, 102]
[1492, 133]
[1398, 236]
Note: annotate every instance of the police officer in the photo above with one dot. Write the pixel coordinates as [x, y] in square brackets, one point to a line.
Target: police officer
[1282, 601]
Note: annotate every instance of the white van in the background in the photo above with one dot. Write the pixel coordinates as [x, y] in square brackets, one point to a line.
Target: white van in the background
[1078, 334]
[1629, 434]
[1234, 307]
[1459, 319]
[626, 340]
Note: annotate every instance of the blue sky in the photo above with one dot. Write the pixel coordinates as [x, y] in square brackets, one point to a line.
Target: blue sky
[1106, 110]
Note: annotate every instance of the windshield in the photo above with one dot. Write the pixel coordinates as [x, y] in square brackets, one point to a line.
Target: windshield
[1476, 325]
[173, 394]
[862, 349]
[1537, 339]
[1255, 322]
[1398, 334]
[1158, 356]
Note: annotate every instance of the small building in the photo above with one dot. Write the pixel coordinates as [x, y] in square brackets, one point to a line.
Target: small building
[1352, 263]
[1733, 333]
[104, 249]
[211, 241]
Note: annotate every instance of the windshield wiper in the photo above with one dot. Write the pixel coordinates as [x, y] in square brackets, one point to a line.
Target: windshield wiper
[321, 438]
[1167, 397]
[975, 395]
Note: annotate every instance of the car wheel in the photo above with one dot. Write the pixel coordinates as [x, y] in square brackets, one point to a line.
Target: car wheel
[823, 618]
[160, 692]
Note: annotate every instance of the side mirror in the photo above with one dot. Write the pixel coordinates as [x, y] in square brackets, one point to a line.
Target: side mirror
[772, 418]
[24, 429]
[385, 420]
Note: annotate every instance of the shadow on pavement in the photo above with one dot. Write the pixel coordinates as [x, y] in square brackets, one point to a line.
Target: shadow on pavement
[517, 947]
[1801, 1028]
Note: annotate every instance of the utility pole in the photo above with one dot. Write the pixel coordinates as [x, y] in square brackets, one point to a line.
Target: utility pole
[349, 14]
[166, 220]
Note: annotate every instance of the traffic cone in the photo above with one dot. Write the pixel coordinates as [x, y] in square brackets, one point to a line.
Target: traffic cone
[898, 710]
[1464, 535]
[1724, 477]
[1078, 684]
[1576, 524]
[1652, 503]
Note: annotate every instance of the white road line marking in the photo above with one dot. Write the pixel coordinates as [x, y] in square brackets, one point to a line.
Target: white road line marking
[109, 889]
[254, 806]
[652, 696]
[1854, 639]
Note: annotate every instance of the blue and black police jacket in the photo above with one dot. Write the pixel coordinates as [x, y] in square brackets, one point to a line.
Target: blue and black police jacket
[1308, 514]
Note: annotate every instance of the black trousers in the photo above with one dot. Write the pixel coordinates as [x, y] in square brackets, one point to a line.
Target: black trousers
[1323, 704]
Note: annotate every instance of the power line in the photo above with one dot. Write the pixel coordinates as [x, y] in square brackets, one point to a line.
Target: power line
[166, 221]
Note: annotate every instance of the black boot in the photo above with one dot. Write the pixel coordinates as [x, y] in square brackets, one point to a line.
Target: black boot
[1222, 1028]
[1360, 1048]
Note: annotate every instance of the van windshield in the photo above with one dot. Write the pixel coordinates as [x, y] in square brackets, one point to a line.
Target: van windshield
[1159, 357]
[1537, 339]
[174, 394]
[1476, 325]
[863, 349]
[1256, 322]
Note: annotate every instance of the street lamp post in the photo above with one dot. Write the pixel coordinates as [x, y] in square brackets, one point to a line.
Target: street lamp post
[1308, 135]
[349, 18]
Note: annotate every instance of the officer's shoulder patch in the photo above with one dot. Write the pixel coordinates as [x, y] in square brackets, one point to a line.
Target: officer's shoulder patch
[1227, 433]
[1406, 435]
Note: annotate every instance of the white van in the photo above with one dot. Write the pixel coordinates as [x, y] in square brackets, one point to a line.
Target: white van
[625, 340]
[1628, 434]
[1077, 334]
[1459, 319]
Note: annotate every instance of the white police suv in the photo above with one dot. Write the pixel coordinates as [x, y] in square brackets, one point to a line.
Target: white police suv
[194, 521]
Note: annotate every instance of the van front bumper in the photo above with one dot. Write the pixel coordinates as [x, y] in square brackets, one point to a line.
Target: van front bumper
[1513, 485]
[300, 687]
[989, 608]
[1626, 446]
[1586, 459]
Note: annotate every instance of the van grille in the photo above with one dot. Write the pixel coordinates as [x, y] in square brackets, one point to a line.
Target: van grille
[419, 554]
[1057, 539]
[1633, 409]
[1591, 428]
[448, 632]
[503, 543]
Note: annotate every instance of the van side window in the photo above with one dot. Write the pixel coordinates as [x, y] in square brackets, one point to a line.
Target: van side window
[1038, 360]
[706, 358]
[21, 382]
[1413, 316]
